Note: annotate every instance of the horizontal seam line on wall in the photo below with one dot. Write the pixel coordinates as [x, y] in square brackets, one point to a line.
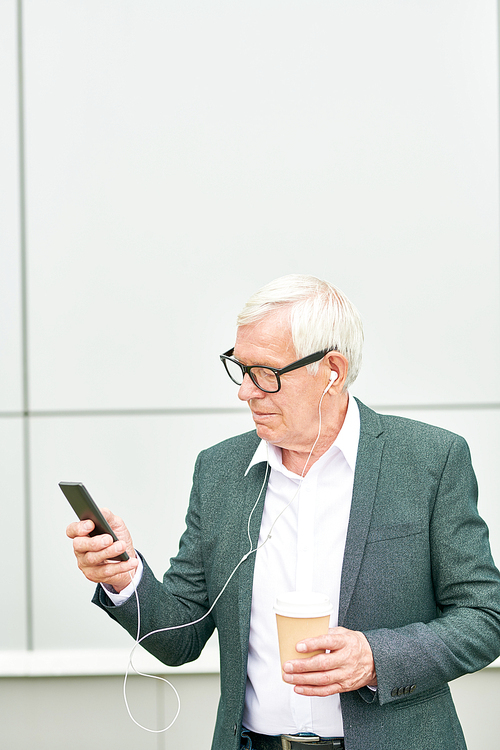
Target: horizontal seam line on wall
[224, 410]
[437, 407]
[122, 412]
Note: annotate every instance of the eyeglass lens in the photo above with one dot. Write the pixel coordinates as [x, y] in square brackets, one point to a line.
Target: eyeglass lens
[262, 376]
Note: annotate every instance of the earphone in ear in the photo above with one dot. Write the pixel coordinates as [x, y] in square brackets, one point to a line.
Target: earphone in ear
[333, 377]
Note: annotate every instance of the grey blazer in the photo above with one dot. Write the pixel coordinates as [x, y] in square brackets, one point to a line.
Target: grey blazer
[418, 580]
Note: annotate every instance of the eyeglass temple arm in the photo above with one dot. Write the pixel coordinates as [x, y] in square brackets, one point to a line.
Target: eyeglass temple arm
[305, 361]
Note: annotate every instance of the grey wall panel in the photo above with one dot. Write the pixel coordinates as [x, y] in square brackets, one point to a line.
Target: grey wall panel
[10, 303]
[13, 624]
[476, 699]
[141, 468]
[90, 712]
[182, 155]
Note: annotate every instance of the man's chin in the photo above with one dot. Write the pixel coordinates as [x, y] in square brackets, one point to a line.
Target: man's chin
[267, 434]
[262, 431]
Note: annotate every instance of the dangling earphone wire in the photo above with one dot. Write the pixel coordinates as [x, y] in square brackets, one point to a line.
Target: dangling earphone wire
[139, 640]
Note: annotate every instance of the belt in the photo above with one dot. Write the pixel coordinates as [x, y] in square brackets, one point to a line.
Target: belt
[294, 742]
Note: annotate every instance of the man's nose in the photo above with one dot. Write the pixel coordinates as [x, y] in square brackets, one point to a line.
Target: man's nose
[249, 390]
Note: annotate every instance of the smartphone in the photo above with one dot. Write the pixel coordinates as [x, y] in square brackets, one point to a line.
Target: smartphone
[86, 510]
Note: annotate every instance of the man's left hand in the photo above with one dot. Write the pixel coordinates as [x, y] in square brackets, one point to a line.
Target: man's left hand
[348, 666]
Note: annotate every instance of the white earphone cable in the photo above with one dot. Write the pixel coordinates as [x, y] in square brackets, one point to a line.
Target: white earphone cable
[139, 640]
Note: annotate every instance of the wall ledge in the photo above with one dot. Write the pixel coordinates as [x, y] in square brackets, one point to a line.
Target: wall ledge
[98, 662]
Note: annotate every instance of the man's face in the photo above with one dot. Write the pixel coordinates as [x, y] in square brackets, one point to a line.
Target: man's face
[289, 418]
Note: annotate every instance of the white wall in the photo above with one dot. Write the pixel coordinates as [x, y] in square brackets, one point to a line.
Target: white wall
[178, 156]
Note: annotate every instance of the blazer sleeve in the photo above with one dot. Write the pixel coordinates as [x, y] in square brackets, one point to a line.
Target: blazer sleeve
[465, 635]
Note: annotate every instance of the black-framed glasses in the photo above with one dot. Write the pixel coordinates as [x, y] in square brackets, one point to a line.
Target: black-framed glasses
[268, 379]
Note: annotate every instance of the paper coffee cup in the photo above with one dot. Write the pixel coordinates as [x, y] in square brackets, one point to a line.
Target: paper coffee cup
[300, 615]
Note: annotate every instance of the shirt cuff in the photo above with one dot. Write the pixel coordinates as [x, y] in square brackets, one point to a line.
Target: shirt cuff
[126, 593]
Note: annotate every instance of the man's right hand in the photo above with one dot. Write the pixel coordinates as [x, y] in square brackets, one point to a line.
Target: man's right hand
[94, 553]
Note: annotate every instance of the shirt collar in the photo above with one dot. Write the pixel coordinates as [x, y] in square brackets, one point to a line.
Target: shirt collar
[346, 441]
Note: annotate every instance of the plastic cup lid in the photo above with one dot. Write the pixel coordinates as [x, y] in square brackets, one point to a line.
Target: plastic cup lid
[303, 604]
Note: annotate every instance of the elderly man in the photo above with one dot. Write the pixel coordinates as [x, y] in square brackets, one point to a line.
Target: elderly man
[377, 512]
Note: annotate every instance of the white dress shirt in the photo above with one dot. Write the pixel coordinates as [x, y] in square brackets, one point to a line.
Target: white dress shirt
[305, 552]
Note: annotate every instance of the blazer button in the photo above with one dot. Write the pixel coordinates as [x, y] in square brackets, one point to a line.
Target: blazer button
[235, 729]
[413, 688]
[394, 693]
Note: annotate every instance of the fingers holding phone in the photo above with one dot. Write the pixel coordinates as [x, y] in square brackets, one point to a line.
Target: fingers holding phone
[102, 543]
[96, 555]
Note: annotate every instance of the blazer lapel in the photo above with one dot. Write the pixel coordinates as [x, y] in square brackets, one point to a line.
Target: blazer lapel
[256, 481]
[371, 444]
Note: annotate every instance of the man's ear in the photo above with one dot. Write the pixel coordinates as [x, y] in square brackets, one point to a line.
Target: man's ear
[339, 367]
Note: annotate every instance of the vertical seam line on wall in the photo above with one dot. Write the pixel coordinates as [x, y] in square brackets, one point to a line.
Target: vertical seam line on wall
[24, 332]
[498, 115]
[498, 112]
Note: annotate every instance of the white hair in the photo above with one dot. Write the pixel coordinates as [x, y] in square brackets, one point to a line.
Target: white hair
[321, 317]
